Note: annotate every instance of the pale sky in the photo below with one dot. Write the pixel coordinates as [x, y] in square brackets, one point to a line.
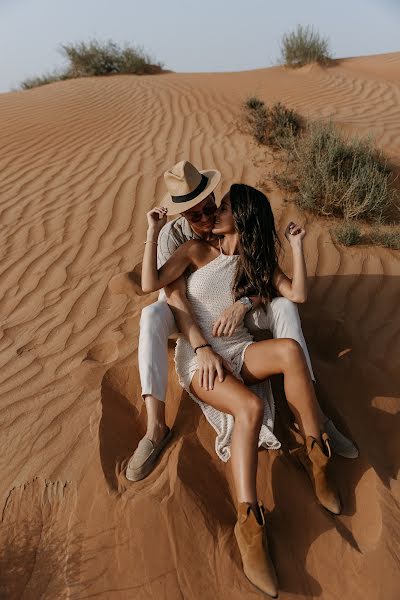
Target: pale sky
[188, 35]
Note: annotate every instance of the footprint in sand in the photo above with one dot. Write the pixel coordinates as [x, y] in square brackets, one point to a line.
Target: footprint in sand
[127, 283]
[104, 353]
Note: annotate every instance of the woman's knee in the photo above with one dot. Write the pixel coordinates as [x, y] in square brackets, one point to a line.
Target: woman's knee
[250, 410]
[292, 352]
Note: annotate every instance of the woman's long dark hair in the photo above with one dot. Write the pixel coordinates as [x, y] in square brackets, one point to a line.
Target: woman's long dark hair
[258, 243]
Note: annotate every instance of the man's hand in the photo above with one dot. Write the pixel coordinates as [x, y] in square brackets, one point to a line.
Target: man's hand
[230, 319]
[210, 364]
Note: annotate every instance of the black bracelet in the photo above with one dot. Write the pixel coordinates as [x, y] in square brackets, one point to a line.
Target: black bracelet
[202, 346]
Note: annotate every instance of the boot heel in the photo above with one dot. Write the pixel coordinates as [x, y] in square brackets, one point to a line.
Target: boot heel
[252, 540]
[315, 462]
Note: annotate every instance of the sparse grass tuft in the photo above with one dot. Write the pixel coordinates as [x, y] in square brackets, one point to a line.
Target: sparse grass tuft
[388, 239]
[253, 103]
[32, 82]
[284, 181]
[284, 125]
[303, 46]
[347, 233]
[275, 127]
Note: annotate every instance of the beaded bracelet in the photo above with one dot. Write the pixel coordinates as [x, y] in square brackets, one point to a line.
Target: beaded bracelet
[202, 346]
[151, 242]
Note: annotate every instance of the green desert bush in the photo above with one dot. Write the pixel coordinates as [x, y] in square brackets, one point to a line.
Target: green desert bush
[303, 46]
[275, 127]
[343, 177]
[98, 58]
[347, 233]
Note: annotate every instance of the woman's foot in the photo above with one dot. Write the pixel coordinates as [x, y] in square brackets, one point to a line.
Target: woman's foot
[314, 457]
[251, 538]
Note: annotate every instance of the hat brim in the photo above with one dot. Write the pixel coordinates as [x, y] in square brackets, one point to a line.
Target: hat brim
[174, 208]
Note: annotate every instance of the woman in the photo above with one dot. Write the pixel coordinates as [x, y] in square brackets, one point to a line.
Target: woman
[243, 262]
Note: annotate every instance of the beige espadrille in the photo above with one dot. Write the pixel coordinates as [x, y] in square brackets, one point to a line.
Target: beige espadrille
[143, 459]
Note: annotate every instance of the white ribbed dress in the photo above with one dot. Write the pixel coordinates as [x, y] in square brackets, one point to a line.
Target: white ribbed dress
[209, 290]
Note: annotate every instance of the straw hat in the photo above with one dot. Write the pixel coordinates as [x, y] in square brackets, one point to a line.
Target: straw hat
[187, 186]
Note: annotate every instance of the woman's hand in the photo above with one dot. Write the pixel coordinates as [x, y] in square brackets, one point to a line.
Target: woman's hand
[156, 218]
[294, 234]
[210, 365]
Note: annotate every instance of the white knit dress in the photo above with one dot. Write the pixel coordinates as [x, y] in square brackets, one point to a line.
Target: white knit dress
[209, 290]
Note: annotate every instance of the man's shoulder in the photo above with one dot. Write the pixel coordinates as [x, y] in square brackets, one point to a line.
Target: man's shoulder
[179, 229]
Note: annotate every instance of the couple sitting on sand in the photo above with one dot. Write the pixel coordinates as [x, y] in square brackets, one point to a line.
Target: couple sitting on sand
[219, 270]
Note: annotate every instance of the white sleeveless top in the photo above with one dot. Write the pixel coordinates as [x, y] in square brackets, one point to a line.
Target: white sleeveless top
[209, 290]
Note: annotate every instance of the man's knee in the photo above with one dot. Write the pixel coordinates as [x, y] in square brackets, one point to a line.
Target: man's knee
[285, 308]
[155, 317]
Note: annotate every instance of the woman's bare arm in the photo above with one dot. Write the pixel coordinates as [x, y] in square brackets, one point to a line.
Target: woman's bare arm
[209, 363]
[294, 289]
[152, 278]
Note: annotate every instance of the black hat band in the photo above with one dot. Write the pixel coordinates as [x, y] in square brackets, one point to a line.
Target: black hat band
[186, 197]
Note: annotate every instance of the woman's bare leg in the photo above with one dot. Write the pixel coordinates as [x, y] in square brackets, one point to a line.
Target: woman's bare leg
[286, 356]
[262, 359]
[233, 397]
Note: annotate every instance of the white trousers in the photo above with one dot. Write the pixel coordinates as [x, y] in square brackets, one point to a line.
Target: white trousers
[157, 323]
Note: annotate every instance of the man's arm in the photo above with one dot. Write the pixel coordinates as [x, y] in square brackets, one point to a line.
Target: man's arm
[232, 316]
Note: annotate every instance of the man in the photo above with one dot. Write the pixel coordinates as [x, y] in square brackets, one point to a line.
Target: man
[191, 194]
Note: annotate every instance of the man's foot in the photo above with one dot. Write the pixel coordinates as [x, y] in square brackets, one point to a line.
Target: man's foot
[143, 459]
[340, 444]
[157, 433]
[314, 456]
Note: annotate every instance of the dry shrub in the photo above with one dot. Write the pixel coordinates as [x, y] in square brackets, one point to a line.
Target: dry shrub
[344, 177]
[274, 127]
[303, 46]
[97, 58]
[347, 233]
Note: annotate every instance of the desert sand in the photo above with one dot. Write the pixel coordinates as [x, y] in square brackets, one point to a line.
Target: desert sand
[81, 163]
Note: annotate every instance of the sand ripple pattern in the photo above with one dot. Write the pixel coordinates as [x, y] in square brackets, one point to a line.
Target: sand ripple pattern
[81, 162]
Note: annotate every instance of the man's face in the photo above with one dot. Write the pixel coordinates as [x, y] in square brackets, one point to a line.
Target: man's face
[201, 217]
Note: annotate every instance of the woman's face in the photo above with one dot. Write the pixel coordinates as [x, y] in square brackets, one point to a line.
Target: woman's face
[224, 222]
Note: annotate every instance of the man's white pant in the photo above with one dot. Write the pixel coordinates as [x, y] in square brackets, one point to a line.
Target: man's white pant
[157, 323]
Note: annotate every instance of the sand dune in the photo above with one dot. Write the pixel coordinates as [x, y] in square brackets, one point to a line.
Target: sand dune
[81, 162]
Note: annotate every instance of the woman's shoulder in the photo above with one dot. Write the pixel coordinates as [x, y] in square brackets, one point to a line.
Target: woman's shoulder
[198, 246]
[200, 252]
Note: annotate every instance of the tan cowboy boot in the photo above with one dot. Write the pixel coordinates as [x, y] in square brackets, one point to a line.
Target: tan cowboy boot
[252, 541]
[314, 456]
